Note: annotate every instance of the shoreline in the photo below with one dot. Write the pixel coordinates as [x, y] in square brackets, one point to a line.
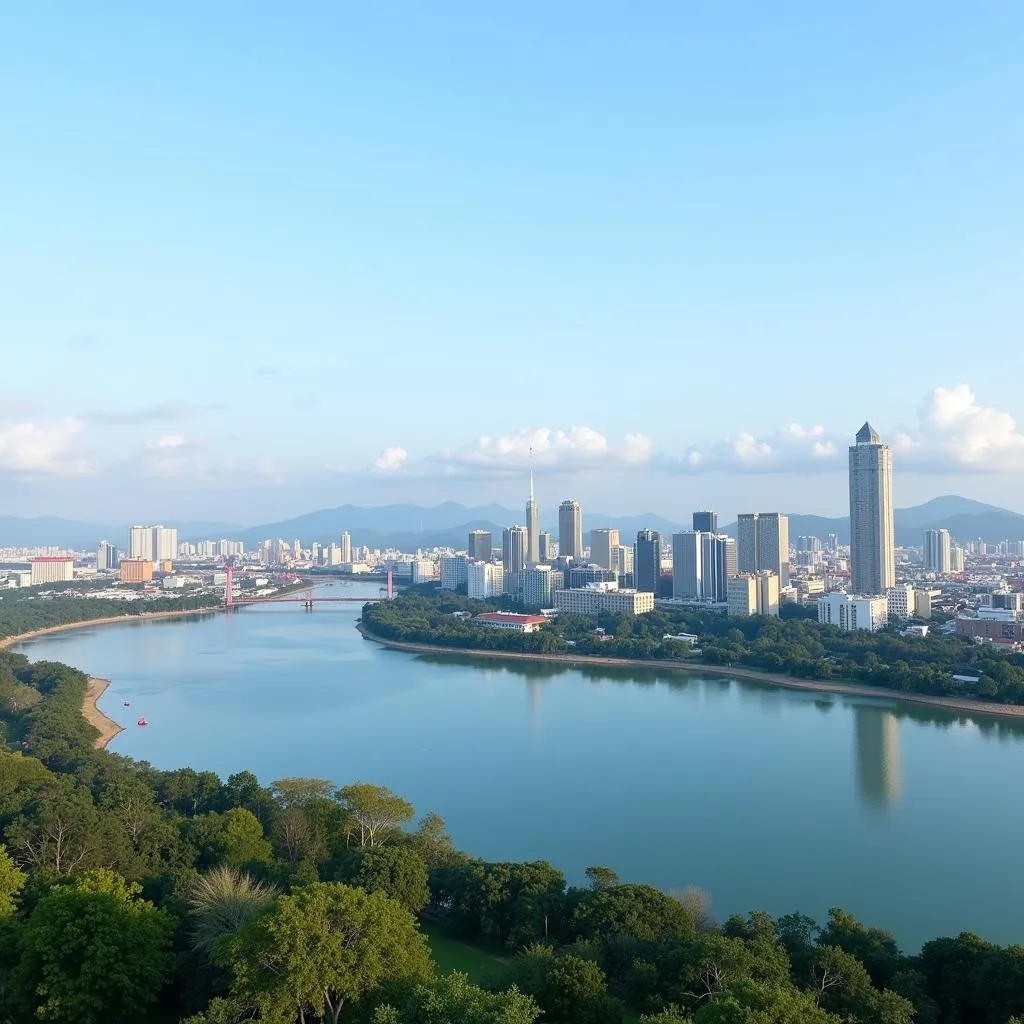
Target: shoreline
[108, 620]
[786, 682]
[90, 711]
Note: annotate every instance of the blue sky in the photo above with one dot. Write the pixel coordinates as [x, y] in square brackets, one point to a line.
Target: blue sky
[258, 258]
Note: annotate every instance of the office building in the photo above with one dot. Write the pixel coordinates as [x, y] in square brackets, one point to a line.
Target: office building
[602, 543]
[594, 600]
[705, 522]
[454, 572]
[532, 528]
[647, 561]
[585, 573]
[346, 547]
[423, 571]
[900, 600]
[485, 579]
[753, 594]
[702, 564]
[923, 602]
[872, 542]
[956, 559]
[687, 563]
[570, 529]
[937, 551]
[538, 583]
[136, 570]
[546, 547]
[156, 543]
[106, 556]
[480, 546]
[622, 560]
[763, 544]
[51, 569]
[514, 540]
[808, 543]
[851, 611]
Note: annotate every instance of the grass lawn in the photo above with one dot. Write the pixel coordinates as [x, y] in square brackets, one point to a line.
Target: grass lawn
[483, 967]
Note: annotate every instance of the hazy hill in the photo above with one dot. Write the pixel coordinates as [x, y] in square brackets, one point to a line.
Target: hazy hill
[71, 533]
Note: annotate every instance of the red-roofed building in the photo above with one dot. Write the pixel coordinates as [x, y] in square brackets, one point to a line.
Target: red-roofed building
[510, 620]
[52, 569]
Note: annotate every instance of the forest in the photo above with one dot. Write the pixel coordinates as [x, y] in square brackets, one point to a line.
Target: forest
[131, 894]
[793, 644]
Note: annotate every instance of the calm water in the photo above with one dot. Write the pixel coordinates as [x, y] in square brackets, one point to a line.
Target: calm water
[909, 817]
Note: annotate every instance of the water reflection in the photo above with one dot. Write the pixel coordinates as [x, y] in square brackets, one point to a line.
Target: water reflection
[876, 733]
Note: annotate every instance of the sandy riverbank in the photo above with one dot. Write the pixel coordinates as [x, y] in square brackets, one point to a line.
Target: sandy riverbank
[107, 726]
[109, 620]
[974, 707]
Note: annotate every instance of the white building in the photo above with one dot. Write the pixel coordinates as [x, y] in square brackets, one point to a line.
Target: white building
[937, 551]
[511, 621]
[454, 571]
[346, 546]
[901, 601]
[872, 544]
[850, 611]
[595, 599]
[423, 571]
[52, 569]
[753, 594]
[485, 579]
[154, 543]
[537, 585]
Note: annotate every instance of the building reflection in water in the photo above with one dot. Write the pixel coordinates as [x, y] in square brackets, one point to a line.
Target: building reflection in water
[877, 737]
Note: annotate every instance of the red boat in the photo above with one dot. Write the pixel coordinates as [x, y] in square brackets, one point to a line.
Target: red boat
[142, 721]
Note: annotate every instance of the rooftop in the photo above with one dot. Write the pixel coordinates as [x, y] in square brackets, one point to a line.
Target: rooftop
[868, 435]
[523, 620]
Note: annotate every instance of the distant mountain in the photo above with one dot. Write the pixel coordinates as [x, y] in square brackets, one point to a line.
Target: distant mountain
[964, 518]
[71, 533]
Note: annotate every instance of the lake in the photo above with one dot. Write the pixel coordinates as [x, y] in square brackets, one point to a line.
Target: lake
[767, 798]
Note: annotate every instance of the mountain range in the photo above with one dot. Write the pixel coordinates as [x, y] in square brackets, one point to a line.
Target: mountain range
[408, 527]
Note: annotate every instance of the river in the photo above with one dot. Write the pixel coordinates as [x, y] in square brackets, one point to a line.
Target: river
[767, 798]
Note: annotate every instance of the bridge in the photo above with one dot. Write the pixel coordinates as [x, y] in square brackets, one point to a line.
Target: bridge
[305, 598]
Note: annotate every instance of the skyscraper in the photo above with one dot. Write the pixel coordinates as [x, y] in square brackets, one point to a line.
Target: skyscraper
[480, 546]
[513, 550]
[647, 561]
[532, 528]
[546, 547]
[140, 544]
[705, 522]
[937, 551]
[154, 543]
[718, 565]
[872, 544]
[602, 543]
[346, 546]
[763, 544]
[106, 556]
[687, 565]
[570, 529]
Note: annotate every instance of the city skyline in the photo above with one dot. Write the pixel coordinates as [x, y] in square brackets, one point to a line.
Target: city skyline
[278, 267]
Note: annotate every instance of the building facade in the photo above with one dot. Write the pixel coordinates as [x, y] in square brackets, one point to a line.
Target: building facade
[850, 611]
[602, 543]
[480, 546]
[872, 539]
[687, 565]
[51, 569]
[937, 551]
[454, 572]
[514, 542]
[511, 621]
[753, 594]
[570, 529]
[705, 522]
[156, 543]
[484, 580]
[900, 600]
[346, 546]
[583, 575]
[763, 544]
[647, 561]
[106, 556]
[547, 548]
[593, 601]
[532, 528]
[538, 583]
[136, 570]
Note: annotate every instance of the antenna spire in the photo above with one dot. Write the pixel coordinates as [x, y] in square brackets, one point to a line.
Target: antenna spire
[531, 472]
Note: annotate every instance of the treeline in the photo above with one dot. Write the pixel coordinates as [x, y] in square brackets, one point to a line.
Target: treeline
[129, 894]
[26, 613]
[794, 645]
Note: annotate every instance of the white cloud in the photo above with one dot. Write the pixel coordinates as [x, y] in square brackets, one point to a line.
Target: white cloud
[791, 448]
[391, 460]
[958, 432]
[43, 448]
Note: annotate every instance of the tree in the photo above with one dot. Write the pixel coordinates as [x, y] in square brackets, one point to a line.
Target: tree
[242, 839]
[751, 1002]
[375, 810]
[432, 841]
[670, 1015]
[451, 999]
[93, 952]
[874, 948]
[601, 878]
[573, 991]
[12, 881]
[298, 792]
[640, 911]
[221, 902]
[322, 947]
[397, 871]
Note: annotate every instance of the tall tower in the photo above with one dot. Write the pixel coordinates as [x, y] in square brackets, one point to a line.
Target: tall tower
[532, 528]
[647, 561]
[570, 529]
[872, 543]
[705, 522]
[480, 546]
[937, 551]
[602, 543]
[763, 544]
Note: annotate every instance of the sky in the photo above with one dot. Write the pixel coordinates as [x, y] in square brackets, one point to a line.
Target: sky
[257, 259]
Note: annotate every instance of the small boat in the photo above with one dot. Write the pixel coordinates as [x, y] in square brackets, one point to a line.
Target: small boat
[142, 721]
[127, 703]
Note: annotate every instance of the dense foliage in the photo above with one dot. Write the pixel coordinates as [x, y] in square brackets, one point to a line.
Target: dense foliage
[132, 894]
[793, 645]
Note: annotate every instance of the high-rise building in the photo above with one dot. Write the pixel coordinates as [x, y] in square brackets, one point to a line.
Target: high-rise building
[718, 565]
[602, 542]
[52, 569]
[532, 528]
[514, 540]
[872, 542]
[850, 611]
[956, 559]
[346, 546]
[106, 556]
[546, 547]
[454, 571]
[570, 529]
[647, 561]
[687, 577]
[156, 543]
[937, 548]
[485, 579]
[538, 583]
[582, 574]
[705, 522]
[763, 544]
[140, 543]
[480, 546]
[753, 593]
